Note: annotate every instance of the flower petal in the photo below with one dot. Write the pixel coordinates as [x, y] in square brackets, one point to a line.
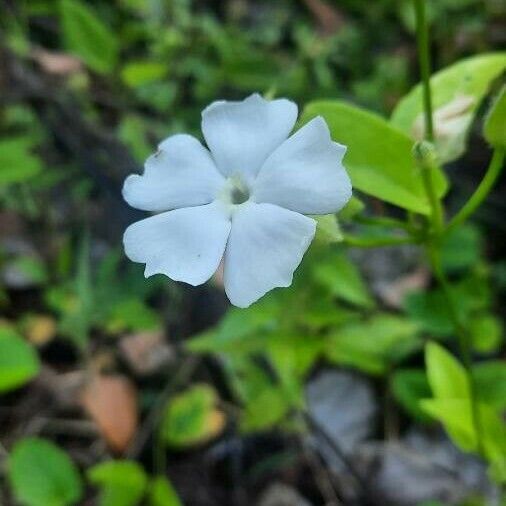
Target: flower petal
[265, 247]
[185, 244]
[305, 174]
[181, 174]
[241, 135]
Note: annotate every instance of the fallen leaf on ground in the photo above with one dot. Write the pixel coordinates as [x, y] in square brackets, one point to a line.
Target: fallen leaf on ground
[61, 64]
[111, 401]
[146, 352]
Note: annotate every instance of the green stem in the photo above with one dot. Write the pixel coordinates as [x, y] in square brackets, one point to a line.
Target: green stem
[480, 194]
[374, 242]
[437, 217]
[384, 221]
[463, 338]
[437, 212]
[422, 38]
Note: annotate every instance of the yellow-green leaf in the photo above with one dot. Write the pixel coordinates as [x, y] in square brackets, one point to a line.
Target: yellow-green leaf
[495, 123]
[457, 92]
[18, 361]
[447, 378]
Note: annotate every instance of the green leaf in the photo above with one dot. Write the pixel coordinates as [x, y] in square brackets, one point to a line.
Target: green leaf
[132, 315]
[467, 82]
[495, 122]
[292, 357]
[191, 417]
[409, 387]
[247, 378]
[379, 157]
[32, 267]
[88, 37]
[430, 310]
[139, 73]
[121, 482]
[343, 279]
[327, 229]
[19, 362]
[461, 248]
[41, 474]
[373, 345]
[486, 332]
[447, 378]
[322, 312]
[132, 131]
[162, 493]
[17, 162]
[490, 379]
[456, 417]
[264, 411]
[235, 331]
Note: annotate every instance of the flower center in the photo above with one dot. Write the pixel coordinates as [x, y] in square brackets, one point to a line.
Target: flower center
[239, 195]
[236, 191]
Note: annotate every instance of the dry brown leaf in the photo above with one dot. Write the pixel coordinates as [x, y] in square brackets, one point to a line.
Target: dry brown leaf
[393, 295]
[60, 64]
[111, 401]
[146, 352]
[328, 16]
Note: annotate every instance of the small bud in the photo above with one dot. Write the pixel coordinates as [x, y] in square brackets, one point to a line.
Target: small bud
[451, 123]
[425, 154]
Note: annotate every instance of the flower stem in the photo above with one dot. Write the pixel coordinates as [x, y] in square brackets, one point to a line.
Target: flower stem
[375, 242]
[493, 171]
[384, 221]
[426, 158]
[422, 38]
[437, 216]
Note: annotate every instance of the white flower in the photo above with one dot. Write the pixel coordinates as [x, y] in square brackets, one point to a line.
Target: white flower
[243, 199]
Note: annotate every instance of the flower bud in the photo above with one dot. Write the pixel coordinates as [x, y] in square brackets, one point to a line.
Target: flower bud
[451, 123]
[425, 154]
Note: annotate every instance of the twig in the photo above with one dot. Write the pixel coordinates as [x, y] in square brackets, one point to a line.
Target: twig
[322, 477]
[81, 428]
[338, 451]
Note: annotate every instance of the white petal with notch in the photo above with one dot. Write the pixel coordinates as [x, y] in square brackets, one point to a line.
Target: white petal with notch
[305, 174]
[184, 244]
[241, 135]
[265, 246]
[181, 174]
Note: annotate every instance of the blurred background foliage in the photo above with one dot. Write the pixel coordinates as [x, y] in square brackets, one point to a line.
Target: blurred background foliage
[97, 363]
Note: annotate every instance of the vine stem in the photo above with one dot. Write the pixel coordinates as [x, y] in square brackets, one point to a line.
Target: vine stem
[493, 171]
[384, 221]
[437, 216]
[422, 38]
[426, 159]
[375, 242]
